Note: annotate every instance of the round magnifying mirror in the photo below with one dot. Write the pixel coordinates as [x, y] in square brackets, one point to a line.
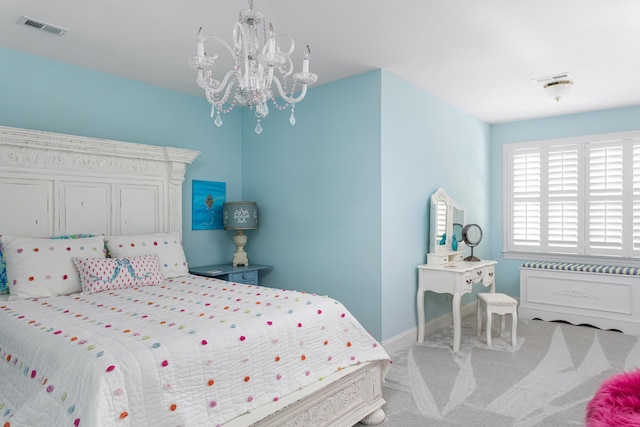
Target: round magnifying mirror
[472, 235]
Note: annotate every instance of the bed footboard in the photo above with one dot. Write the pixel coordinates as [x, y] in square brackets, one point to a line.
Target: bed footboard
[354, 395]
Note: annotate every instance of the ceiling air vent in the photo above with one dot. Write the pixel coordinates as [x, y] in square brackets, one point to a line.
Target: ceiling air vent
[42, 26]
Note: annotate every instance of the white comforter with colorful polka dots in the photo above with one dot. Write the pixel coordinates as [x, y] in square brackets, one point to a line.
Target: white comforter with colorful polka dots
[194, 352]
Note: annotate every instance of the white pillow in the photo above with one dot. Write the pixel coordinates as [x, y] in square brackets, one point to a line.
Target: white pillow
[107, 274]
[44, 267]
[167, 246]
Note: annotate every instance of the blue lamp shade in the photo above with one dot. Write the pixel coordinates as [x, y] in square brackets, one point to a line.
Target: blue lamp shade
[240, 215]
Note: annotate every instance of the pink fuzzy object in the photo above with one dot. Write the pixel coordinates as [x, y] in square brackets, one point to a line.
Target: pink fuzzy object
[617, 402]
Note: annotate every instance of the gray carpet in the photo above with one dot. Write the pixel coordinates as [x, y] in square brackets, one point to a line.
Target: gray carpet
[546, 380]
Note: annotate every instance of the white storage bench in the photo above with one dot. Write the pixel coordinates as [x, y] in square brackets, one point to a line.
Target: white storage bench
[607, 297]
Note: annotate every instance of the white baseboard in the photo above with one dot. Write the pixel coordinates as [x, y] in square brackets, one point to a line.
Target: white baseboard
[405, 339]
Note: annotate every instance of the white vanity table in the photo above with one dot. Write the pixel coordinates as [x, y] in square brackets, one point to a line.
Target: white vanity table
[446, 270]
[457, 279]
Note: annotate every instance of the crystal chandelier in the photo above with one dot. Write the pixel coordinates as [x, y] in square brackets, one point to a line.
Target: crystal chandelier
[256, 69]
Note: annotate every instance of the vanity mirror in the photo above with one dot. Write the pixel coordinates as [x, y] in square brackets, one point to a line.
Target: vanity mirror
[446, 224]
[458, 223]
[472, 234]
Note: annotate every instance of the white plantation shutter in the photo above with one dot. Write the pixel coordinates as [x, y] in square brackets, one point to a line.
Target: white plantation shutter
[526, 196]
[636, 199]
[563, 196]
[604, 194]
[526, 223]
[575, 196]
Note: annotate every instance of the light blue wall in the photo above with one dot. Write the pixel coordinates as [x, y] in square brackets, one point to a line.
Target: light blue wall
[41, 94]
[605, 121]
[344, 194]
[426, 144]
[317, 185]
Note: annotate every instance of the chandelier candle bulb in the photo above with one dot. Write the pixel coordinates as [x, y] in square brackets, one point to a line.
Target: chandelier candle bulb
[272, 39]
[200, 51]
[305, 61]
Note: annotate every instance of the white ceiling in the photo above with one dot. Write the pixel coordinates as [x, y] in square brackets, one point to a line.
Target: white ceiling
[479, 55]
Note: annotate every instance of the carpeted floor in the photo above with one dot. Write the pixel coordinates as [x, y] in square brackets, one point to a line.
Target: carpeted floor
[546, 380]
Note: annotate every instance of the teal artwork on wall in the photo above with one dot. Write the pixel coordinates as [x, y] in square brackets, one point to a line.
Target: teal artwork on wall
[207, 199]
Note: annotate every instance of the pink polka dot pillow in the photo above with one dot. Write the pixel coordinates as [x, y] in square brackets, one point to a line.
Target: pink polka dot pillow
[44, 267]
[107, 274]
[167, 246]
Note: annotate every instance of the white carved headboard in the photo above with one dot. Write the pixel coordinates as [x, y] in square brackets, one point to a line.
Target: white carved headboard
[54, 184]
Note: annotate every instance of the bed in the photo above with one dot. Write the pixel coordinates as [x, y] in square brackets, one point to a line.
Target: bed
[133, 339]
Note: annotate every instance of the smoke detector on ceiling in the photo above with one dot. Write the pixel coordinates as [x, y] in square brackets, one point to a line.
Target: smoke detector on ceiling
[42, 26]
[556, 86]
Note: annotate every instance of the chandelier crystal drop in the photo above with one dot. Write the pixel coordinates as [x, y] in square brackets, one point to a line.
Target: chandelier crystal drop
[261, 70]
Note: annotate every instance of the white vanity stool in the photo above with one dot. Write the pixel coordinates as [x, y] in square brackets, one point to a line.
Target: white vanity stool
[496, 303]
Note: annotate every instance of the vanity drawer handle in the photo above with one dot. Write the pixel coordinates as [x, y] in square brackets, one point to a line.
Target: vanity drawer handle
[491, 274]
[469, 281]
[479, 273]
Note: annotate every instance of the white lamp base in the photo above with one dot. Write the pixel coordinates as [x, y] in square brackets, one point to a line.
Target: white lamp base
[240, 256]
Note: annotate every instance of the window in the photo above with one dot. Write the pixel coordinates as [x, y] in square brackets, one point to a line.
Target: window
[573, 198]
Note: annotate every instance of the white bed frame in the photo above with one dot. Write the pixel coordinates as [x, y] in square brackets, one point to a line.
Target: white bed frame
[54, 184]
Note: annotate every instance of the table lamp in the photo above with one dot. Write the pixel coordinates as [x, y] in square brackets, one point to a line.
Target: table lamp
[240, 216]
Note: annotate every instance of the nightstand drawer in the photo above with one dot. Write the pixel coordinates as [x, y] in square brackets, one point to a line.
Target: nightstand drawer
[248, 274]
[247, 277]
